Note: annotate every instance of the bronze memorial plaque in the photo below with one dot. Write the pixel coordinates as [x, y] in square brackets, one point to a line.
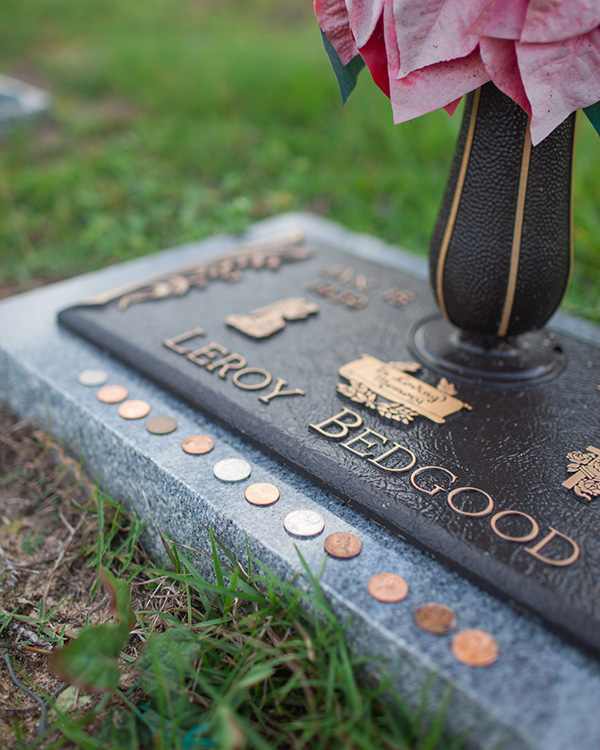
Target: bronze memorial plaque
[313, 355]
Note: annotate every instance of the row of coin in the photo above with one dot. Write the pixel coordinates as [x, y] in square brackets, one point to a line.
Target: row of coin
[472, 647]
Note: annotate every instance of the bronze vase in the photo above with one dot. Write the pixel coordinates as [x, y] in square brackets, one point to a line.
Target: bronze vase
[501, 251]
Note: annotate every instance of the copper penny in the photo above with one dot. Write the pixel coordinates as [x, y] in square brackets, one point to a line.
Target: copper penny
[437, 619]
[112, 394]
[197, 445]
[388, 587]
[161, 425]
[134, 409]
[475, 648]
[262, 493]
[343, 545]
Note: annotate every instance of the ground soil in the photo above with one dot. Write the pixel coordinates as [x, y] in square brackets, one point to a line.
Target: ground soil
[48, 586]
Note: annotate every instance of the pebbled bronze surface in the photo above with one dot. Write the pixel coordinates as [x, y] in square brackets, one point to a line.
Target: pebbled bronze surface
[501, 464]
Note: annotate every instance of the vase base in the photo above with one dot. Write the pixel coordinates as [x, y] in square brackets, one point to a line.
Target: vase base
[525, 360]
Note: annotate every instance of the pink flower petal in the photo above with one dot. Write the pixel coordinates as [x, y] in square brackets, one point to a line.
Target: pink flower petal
[436, 86]
[432, 31]
[559, 79]
[502, 19]
[364, 15]
[556, 20]
[333, 20]
[500, 59]
[374, 55]
[451, 108]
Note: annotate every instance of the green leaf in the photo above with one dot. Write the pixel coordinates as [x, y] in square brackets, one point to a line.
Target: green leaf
[90, 661]
[593, 113]
[346, 74]
[257, 674]
[166, 659]
[120, 604]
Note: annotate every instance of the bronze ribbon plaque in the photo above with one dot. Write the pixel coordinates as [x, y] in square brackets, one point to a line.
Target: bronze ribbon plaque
[307, 352]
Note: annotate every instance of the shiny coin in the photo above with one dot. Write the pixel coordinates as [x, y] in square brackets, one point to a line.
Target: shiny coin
[134, 409]
[93, 377]
[304, 523]
[112, 394]
[388, 587]
[161, 425]
[475, 648]
[343, 545]
[262, 493]
[435, 618]
[232, 470]
[196, 445]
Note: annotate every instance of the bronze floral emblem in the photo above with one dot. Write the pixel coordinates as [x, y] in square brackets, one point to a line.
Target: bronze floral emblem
[585, 468]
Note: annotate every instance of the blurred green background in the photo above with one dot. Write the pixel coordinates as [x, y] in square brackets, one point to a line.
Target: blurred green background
[177, 119]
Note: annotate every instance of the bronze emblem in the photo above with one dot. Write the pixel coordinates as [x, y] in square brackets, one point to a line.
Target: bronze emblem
[390, 390]
[264, 322]
[585, 468]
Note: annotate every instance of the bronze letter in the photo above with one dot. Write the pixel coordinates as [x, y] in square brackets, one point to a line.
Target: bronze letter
[390, 452]
[474, 514]
[535, 550]
[210, 351]
[278, 392]
[361, 439]
[251, 371]
[535, 529]
[233, 361]
[173, 343]
[336, 419]
[437, 487]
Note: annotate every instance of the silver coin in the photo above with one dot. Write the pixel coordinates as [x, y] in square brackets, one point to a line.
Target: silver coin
[304, 523]
[93, 377]
[232, 470]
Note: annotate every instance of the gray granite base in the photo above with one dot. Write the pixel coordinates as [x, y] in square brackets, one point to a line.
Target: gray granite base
[543, 691]
[20, 101]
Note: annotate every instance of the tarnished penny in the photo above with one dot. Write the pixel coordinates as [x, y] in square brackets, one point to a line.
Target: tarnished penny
[475, 648]
[92, 377]
[437, 619]
[343, 545]
[388, 587]
[134, 409]
[197, 445]
[232, 470]
[161, 425]
[112, 394]
[304, 523]
[262, 493]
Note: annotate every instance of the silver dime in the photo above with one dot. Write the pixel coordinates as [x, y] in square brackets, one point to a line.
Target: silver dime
[93, 377]
[304, 523]
[232, 470]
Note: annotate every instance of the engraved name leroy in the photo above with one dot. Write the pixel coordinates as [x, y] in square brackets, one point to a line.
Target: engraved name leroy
[216, 358]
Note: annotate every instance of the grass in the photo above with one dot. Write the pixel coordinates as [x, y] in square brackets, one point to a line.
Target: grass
[238, 659]
[176, 119]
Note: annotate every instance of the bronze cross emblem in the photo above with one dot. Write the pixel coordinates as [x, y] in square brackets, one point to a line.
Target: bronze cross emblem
[585, 467]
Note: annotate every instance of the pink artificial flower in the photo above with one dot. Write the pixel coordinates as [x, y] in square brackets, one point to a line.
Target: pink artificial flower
[425, 54]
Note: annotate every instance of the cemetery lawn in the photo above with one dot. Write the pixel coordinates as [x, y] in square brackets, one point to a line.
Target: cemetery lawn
[177, 119]
[239, 661]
